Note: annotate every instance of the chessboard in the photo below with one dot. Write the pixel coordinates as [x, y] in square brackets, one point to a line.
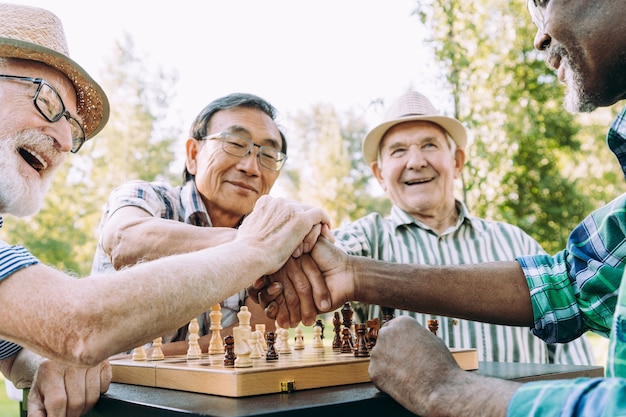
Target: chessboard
[302, 369]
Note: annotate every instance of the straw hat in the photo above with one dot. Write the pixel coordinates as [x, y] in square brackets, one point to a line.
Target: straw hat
[411, 106]
[37, 35]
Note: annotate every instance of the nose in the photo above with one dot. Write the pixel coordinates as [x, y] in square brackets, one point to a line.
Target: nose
[250, 163]
[61, 131]
[415, 158]
[542, 40]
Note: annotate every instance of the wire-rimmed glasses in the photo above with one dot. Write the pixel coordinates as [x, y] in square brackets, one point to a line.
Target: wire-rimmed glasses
[240, 146]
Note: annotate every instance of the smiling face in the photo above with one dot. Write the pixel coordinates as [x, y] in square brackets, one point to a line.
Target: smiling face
[230, 185]
[32, 148]
[417, 168]
[584, 41]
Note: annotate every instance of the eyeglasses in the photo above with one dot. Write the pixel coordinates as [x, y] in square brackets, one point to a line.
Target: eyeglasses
[50, 105]
[235, 145]
[536, 13]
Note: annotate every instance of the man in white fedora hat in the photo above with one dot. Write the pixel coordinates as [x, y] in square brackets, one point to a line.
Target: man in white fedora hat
[417, 154]
[51, 106]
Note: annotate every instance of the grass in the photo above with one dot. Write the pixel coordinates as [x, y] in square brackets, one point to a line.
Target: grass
[8, 407]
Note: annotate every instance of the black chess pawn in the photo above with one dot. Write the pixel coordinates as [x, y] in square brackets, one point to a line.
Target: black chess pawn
[372, 332]
[337, 326]
[346, 341]
[271, 354]
[360, 350]
[229, 351]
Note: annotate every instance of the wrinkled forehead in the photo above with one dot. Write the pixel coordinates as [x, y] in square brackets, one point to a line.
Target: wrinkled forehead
[413, 130]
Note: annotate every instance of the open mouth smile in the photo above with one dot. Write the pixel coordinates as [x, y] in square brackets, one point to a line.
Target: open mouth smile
[33, 159]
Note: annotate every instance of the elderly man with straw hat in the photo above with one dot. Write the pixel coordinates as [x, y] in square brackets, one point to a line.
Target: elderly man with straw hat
[51, 106]
[416, 154]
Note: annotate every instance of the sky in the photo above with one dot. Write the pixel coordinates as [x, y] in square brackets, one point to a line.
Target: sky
[293, 53]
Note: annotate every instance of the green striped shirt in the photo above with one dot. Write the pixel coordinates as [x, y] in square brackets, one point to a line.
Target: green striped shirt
[400, 238]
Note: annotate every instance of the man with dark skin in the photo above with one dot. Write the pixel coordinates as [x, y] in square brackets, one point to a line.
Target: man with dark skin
[560, 297]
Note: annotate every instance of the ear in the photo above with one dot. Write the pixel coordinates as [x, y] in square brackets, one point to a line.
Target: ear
[459, 162]
[378, 174]
[192, 148]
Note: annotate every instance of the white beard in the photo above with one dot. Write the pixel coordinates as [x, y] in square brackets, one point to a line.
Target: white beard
[22, 189]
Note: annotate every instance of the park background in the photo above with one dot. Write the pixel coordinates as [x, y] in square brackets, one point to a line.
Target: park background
[330, 68]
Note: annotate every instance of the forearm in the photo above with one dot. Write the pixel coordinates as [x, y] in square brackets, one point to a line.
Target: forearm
[490, 292]
[149, 238]
[472, 395]
[150, 299]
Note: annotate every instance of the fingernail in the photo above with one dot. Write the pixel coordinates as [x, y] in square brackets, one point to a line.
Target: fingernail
[325, 305]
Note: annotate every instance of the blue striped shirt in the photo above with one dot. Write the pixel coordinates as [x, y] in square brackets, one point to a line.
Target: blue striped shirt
[581, 288]
[12, 258]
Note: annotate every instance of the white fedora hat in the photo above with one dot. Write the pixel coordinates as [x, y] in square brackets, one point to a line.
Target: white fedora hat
[408, 107]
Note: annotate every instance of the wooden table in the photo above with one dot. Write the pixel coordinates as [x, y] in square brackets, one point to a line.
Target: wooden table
[359, 399]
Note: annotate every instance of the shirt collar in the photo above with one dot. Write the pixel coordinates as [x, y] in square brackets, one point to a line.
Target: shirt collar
[193, 207]
[616, 139]
[400, 217]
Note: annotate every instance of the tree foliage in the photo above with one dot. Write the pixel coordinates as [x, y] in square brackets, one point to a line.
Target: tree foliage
[133, 145]
[326, 166]
[525, 144]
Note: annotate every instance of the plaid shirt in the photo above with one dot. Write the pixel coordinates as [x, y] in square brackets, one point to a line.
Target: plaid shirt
[12, 259]
[580, 289]
[183, 204]
[400, 238]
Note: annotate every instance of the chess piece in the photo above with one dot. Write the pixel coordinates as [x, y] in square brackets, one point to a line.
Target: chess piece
[215, 344]
[372, 332]
[157, 352]
[194, 351]
[346, 314]
[283, 335]
[244, 316]
[278, 339]
[255, 345]
[299, 339]
[433, 326]
[360, 350]
[346, 341]
[229, 351]
[271, 354]
[139, 353]
[261, 329]
[319, 323]
[388, 314]
[242, 347]
[337, 328]
[317, 337]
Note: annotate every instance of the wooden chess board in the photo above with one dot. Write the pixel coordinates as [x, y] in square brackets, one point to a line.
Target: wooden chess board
[302, 369]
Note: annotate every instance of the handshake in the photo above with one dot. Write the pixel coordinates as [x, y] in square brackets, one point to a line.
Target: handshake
[306, 273]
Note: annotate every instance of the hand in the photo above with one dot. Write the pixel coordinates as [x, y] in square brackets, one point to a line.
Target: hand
[281, 228]
[409, 363]
[306, 287]
[60, 390]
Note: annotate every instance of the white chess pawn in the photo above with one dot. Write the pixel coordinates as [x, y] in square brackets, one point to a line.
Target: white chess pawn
[255, 345]
[317, 337]
[157, 352]
[284, 342]
[139, 353]
[299, 343]
[261, 328]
